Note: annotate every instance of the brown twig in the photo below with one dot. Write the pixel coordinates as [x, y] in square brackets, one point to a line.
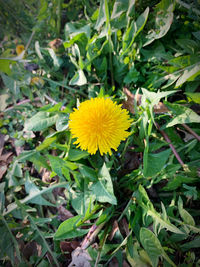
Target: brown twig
[89, 239]
[171, 146]
[191, 131]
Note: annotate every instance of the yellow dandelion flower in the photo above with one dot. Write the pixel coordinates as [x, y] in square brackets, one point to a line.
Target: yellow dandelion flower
[19, 49]
[99, 123]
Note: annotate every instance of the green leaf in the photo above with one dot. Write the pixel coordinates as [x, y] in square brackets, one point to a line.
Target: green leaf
[103, 189]
[32, 190]
[156, 162]
[57, 61]
[12, 85]
[182, 115]
[194, 97]
[187, 218]
[40, 121]
[134, 29]
[12, 207]
[78, 79]
[46, 143]
[102, 15]
[88, 172]
[192, 244]
[68, 229]
[76, 154]
[5, 66]
[120, 6]
[189, 73]
[163, 23]
[176, 181]
[158, 218]
[153, 247]
[58, 165]
[62, 122]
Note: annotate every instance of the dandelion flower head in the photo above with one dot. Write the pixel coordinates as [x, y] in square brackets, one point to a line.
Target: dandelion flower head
[99, 123]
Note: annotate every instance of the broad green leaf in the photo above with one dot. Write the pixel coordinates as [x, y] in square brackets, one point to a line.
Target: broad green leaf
[184, 61]
[62, 122]
[189, 46]
[73, 28]
[82, 200]
[58, 164]
[40, 121]
[189, 73]
[187, 218]
[134, 29]
[192, 244]
[78, 79]
[156, 162]
[12, 85]
[76, 154]
[103, 189]
[5, 66]
[154, 98]
[88, 172]
[102, 15]
[57, 61]
[32, 190]
[120, 6]
[182, 115]
[153, 247]
[194, 97]
[68, 229]
[163, 23]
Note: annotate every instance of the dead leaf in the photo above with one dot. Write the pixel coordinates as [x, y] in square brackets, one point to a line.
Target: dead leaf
[69, 246]
[5, 160]
[64, 214]
[46, 175]
[129, 103]
[80, 258]
[32, 248]
[5, 157]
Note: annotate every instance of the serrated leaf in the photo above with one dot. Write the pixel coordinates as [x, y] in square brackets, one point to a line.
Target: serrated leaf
[153, 247]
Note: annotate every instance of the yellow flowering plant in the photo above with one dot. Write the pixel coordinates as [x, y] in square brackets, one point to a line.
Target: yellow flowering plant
[99, 124]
